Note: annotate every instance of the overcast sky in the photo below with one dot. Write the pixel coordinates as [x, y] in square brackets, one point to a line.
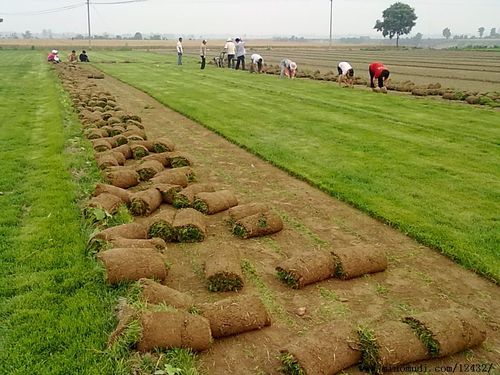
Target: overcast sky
[243, 17]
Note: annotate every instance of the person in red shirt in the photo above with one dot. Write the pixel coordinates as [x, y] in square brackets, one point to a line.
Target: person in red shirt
[378, 71]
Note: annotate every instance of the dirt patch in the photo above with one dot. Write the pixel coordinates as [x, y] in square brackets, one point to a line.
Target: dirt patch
[417, 279]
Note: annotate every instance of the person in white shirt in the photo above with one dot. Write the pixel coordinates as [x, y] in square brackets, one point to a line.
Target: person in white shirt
[230, 50]
[257, 62]
[180, 51]
[346, 73]
[288, 68]
[203, 53]
[240, 54]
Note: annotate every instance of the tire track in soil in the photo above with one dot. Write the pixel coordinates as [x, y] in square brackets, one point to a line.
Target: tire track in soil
[418, 278]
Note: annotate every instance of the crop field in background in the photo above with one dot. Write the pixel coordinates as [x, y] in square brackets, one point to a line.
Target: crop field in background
[427, 167]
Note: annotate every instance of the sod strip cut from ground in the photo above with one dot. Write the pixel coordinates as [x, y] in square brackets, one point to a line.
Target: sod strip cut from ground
[101, 145]
[123, 194]
[156, 293]
[174, 329]
[153, 243]
[176, 176]
[100, 240]
[257, 225]
[162, 225]
[125, 150]
[168, 191]
[132, 264]
[105, 203]
[236, 315]
[148, 169]
[190, 225]
[388, 345]
[145, 202]
[446, 332]
[213, 202]
[358, 260]
[117, 155]
[106, 160]
[306, 269]
[327, 350]
[122, 177]
[161, 157]
[163, 144]
[185, 198]
[223, 271]
[138, 151]
[239, 212]
[179, 159]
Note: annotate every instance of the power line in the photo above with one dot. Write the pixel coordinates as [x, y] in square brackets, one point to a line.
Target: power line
[45, 11]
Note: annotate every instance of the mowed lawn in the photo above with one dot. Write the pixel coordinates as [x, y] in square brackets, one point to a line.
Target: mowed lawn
[428, 167]
[55, 309]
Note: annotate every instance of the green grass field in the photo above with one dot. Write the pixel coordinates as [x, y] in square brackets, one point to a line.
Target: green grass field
[428, 167]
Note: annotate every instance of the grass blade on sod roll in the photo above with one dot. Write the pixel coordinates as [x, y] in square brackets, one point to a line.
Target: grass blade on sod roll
[149, 169]
[163, 144]
[190, 225]
[143, 203]
[261, 224]
[168, 191]
[122, 177]
[213, 202]
[387, 345]
[306, 269]
[174, 329]
[223, 271]
[243, 210]
[153, 243]
[123, 194]
[446, 332]
[236, 315]
[155, 293]
[132, 264]
[185, 198]
[326, 350]
[358, 260]
[162, 225]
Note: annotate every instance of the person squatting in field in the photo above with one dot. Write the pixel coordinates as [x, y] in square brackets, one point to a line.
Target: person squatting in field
[180, 51]
[378, 71]
[83, 57]
[257, 62]
[53, 57]
[203, 53]
[72, 57]
[240, 54]
[346, 73]
[288, 68]
[230, 50]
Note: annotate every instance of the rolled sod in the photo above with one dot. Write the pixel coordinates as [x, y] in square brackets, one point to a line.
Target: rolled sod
[138, 151]
[143, 203]
[123, 194]
[239, 212]
[358, 260]
[223, 271]
[101, 145]
[446, 332]
[162, 226]
[176, 176]
[95, 133]
[153, 243]
[135, 131]
[161, 157]
[179, 159]
[122, 177]
[106, 160]
[163, 145]
[149, 169]
[116, 154]
[261, 224]
[101, 240]
[174, 329]
[213, 202]
[389, 344]
[306, 269]
[327, 350]
[125, 150]
[107, 202]
[168, 191]
[236, 315]
[185, 198]
[149, 145]
[156, 293]
[132, 264]
[190, 225]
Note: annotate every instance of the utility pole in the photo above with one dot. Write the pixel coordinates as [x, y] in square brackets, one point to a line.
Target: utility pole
[331, 22]
[88, 23]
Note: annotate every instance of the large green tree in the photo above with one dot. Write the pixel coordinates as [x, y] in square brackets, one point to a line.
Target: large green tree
[398, 20]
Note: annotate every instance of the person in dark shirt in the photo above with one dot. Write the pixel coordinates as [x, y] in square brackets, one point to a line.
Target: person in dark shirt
[84, 57]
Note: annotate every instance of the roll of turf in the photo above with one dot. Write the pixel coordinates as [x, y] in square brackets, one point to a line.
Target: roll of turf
[125, 150]
[446, 332]
[171, 176]
[148, 169]
[168, 191]
[155, 293]
[143, 203]
[123, 194]
[161, 157]
[149, 145]
[185, 198]
[153, 243]
[130, 231]
[190, 225]
[236, 315]
[132, 264]
[213, 202]
[116, 154]
[223, 271]
[174, 329]
[101, 145]
[179, 159]
[358, 260]
[239, 212]
[325, 351]
[261, 224]
[163, 144]
[306, 269]
[122, 177]
[138, 151]
[162, 226]
[109, 203]
[107, 160]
